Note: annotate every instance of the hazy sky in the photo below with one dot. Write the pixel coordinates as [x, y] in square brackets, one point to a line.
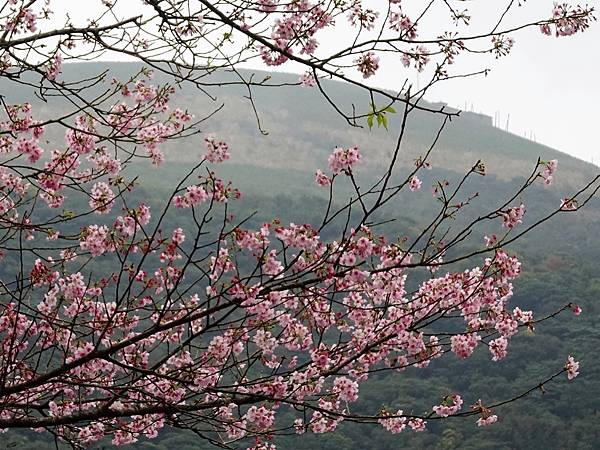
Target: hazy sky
[548, 85]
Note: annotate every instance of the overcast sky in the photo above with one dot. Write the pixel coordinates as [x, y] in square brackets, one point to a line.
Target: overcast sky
[549, 86]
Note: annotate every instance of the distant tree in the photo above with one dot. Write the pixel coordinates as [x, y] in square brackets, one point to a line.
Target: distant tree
[113, 323]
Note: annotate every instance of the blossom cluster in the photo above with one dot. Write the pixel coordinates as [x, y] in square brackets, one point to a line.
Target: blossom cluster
[216, 151]
[567, 20]
[451, 405]
[548, 171]
[340, 161]
[572, 368]
[513, 216]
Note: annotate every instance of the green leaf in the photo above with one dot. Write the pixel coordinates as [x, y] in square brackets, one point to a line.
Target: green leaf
[384, 121]
[390, 110]
[370, 121]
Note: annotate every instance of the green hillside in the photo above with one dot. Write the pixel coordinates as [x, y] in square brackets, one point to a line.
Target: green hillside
[276, 171]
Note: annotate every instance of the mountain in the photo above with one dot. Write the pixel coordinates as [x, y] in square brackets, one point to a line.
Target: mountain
[276, 171]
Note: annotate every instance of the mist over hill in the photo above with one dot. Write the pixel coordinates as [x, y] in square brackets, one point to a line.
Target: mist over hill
[276, 173]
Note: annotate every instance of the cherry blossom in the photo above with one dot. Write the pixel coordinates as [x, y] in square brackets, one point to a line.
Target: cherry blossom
[217, 151]
[569, 204]
[572, 368]
[512, 217]
[342, 160]
[415, 184]
[567, 20]
[368, 64]
[548, 172]
[481, 422]
[55, 68]
[487, 418]
[307, 79]
[394, 425]
[451, 405]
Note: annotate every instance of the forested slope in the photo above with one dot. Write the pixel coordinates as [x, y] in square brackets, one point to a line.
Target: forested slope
[275, 171]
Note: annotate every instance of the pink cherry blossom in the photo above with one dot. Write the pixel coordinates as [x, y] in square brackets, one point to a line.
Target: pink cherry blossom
[417, 424]
[96, 240]
[567, 20]
[394, 425]
[262, 417]
[29, 147]
[54, 68]
[400, 22]
[102, 198]
[368, 64]
[481, 422]
[321, 179]
[342, 160]
[415, 184]
[569, 204]
[451, 405]
[498, 348]
[512, 217]
[217, 151]
[307, 79]
[491, 240]
[549, 170]
[572, 368]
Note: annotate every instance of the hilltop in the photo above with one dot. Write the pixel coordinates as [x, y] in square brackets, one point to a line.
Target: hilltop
[303, 129]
